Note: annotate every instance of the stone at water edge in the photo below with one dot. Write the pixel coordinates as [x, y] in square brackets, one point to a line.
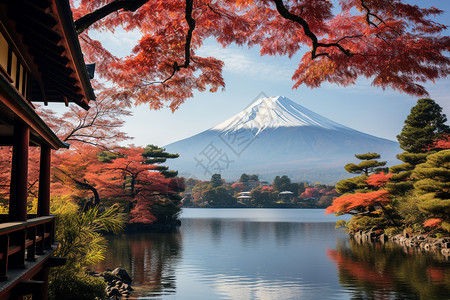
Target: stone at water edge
[123, 275]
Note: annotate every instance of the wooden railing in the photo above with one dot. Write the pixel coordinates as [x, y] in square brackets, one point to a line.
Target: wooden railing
[22, 241]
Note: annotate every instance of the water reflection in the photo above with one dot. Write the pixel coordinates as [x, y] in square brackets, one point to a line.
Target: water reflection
[390, 272]
[234, 258]
[149, 257]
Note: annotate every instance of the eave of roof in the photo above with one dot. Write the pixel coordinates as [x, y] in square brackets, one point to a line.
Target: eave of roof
[66, 19]
[20, 108]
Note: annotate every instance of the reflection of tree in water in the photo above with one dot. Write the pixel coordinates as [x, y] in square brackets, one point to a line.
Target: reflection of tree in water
[389, 272]
[150, 258]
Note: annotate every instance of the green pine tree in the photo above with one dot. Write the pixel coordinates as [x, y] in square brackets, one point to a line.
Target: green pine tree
[368, 166]
[425, 123]
[433, 187]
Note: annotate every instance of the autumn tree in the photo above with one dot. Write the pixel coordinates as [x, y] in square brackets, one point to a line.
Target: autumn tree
[392, 43]
[263, 197]
[100, 126]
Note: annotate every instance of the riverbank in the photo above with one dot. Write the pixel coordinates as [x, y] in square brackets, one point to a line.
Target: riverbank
[419, 242]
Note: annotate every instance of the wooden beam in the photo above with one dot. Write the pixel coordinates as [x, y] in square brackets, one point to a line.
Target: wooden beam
[27, 287]
[19, 173]
[44, 182]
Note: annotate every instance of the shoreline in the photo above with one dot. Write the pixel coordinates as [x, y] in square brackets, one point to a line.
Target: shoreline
[420, 242]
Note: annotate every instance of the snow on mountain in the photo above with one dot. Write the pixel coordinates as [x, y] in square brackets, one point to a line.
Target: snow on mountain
[275, 112]
[276, 136]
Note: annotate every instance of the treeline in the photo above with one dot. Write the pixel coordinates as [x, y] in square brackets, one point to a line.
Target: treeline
[249, 191]
[413, 196]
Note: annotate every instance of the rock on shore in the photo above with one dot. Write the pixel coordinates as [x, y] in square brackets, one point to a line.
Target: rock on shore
[118, 283]
[419, 241]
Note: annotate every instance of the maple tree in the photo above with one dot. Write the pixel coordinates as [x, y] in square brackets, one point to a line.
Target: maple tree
[100, 126]
[128, 176]
[391, 42]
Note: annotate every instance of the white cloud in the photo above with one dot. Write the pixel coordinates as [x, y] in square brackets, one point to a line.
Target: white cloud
[239, 62]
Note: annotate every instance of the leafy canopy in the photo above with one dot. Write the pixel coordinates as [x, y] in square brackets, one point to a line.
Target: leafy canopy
[395, 44]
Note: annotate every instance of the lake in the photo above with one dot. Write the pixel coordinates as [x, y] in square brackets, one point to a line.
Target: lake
[271, 254]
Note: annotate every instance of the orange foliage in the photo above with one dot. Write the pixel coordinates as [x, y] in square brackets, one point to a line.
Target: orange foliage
[360, 270]
[378, 180]
[441, 144]
[432, 223]
[267, 189]
[396, 45]
[347, 203]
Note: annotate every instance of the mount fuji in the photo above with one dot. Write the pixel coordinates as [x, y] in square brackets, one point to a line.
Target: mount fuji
[276, 136]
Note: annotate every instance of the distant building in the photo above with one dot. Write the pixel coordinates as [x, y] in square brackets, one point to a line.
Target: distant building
[286, 196]
[244, 197]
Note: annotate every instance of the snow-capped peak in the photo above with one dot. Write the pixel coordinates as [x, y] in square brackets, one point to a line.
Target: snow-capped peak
[274, 112]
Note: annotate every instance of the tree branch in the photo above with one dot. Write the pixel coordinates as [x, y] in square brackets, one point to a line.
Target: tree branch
[282, 10]
[84, 22]
[370, 14]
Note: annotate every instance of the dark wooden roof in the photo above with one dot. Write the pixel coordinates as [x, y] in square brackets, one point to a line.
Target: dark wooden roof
[47, 30]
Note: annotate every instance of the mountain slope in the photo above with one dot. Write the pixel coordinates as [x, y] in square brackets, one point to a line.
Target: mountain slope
[276, 136]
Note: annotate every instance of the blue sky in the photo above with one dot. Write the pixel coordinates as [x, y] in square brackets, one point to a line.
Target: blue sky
[247, 75]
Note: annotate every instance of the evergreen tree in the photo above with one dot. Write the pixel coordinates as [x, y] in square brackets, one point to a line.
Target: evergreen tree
[216, 180]
[433, 187]
[424, 124]
[368, 166]
[156, 155]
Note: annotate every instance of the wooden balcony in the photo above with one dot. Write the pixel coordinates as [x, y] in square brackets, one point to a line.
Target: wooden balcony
[25, 249]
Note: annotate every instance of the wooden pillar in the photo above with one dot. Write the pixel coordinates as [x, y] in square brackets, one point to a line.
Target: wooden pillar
[43, 292]
[44, 182]
[19, 173]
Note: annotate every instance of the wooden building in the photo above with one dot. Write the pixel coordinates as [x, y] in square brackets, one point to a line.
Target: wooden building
[40, 61]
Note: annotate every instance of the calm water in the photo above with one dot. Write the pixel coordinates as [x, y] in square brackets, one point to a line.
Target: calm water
[271, 254]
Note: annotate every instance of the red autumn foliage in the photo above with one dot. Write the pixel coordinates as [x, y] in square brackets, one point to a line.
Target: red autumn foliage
[441, 144]
[378, 180]
[360, 270]
[432, 223]
[239, 187]
[395, 44]
[267, 189]
[436, 274]
[310, 193]
[359, 201]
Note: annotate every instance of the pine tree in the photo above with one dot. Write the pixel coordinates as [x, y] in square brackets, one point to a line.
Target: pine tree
[216, 180]
[433, 187]
[368, 166]
[156, 155]
[424, 124]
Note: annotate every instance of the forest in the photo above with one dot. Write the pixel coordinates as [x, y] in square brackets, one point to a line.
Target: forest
[249, 191]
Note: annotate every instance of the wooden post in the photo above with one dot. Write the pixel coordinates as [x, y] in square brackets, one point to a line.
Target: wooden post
[44, 182]
[42, 293]
[19, 173]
